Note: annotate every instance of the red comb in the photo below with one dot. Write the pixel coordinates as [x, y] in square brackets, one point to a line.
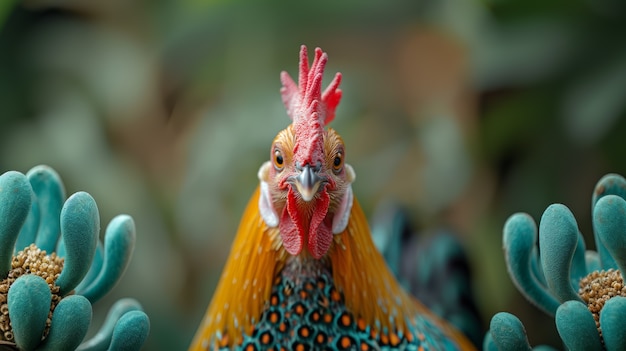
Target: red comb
[308, 107]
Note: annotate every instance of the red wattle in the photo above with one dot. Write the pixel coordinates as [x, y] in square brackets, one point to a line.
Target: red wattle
[291, 227]
[320, 230]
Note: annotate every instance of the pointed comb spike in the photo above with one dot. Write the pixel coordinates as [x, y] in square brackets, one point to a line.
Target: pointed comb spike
[331, 98]
[307, 107]
[303, 75]
[297, 98]
[288, 92]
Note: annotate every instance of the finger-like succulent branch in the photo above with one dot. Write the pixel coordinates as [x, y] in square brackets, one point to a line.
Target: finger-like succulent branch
[584, 290]
[53, 268]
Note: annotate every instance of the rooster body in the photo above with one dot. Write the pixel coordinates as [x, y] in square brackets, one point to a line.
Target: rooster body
[303, 272]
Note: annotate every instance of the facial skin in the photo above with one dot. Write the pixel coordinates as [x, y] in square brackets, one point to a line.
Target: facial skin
[309, 199]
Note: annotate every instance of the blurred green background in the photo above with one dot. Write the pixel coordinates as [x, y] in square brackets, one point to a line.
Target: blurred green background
[463, 111]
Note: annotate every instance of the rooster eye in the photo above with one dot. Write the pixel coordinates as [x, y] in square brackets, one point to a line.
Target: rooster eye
[338, 162]
[278, 160]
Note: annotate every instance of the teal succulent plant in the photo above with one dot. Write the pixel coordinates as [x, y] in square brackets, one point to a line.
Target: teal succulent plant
[583, 289]
[53, 267]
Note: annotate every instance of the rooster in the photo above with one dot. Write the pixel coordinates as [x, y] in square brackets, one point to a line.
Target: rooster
[303, 272]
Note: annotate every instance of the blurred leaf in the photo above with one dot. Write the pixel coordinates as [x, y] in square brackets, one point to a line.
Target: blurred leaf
[513, 10]
[5, 8]
[522, 53]
[595, 101]
[515, 119]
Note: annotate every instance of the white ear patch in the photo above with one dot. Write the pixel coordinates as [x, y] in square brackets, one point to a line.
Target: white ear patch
[342, 215]
[265, 198]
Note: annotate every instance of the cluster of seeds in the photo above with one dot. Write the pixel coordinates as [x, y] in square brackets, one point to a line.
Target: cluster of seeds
[598, 287]
[31, 260]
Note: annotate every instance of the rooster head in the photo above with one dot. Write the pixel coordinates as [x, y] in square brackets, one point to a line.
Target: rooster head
[306, 186]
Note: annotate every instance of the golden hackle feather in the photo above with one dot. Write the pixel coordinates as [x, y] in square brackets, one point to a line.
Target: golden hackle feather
[255, 258]
[371, 291]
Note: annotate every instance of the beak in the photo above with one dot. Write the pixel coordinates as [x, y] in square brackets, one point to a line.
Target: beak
[308, 182]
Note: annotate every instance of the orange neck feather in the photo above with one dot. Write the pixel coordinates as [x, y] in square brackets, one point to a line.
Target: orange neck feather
[256, 257]
[371, 291]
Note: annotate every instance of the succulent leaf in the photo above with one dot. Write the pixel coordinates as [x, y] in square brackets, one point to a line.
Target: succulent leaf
[609, 219]
[558, 238]
[130, 332]
[15, 197]
[74, 311]
[28, 300]
[612, 324]
[102, 339]
[119, 242]
[508, 333]
[519, 240]
[577, 327]
[80, 225]
[50, 193]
